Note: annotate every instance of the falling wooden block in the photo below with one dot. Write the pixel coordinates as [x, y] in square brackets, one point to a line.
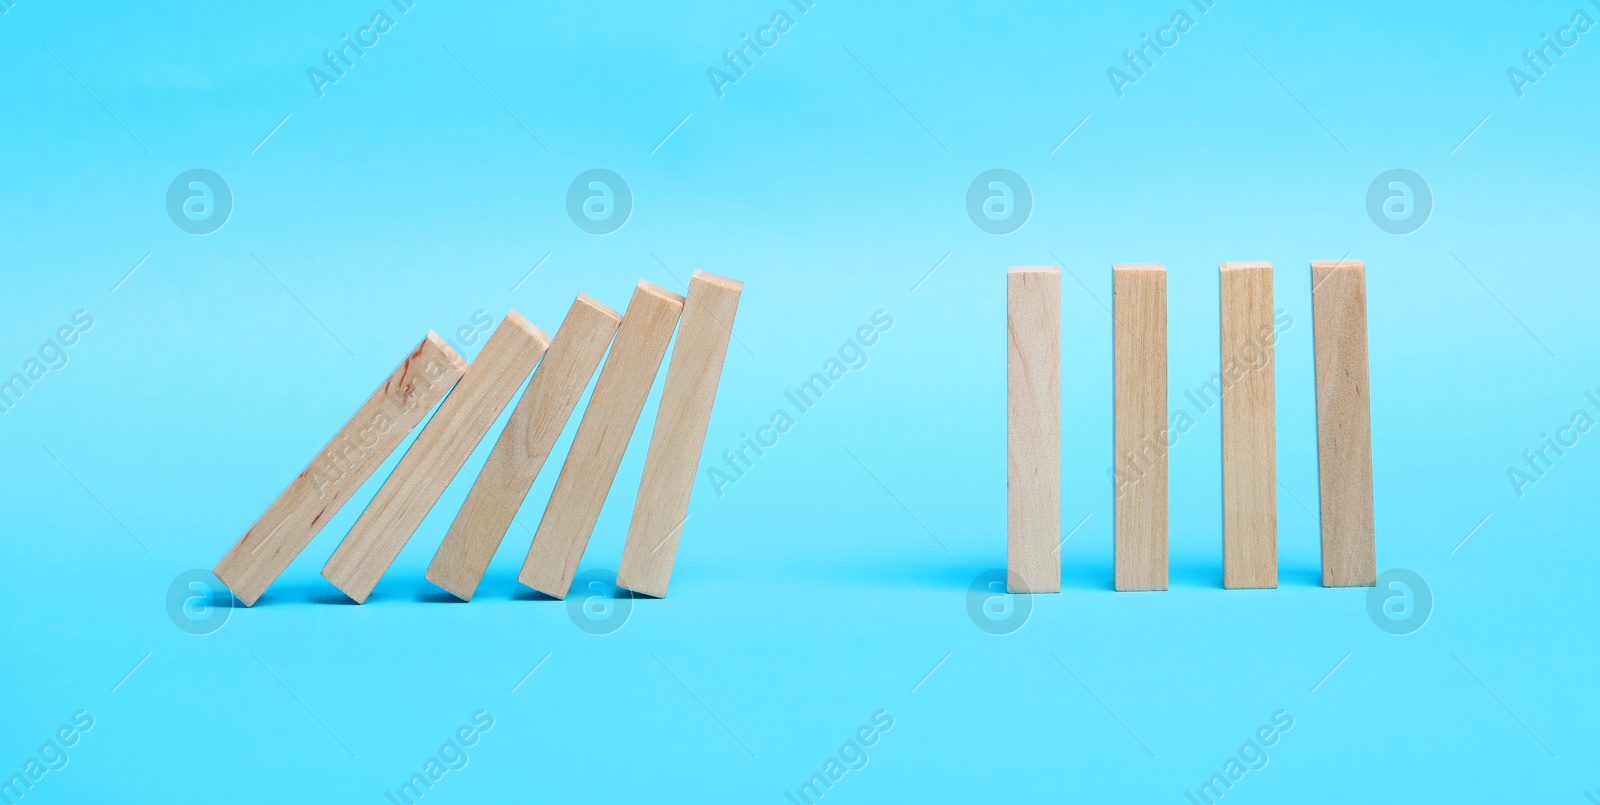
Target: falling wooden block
[435, 457]
[662, 506]
[1344, 423]
[1033, 429]
[340, 468]
[1139, 391]
[602, 438]
[1249, 428]
[535, 423]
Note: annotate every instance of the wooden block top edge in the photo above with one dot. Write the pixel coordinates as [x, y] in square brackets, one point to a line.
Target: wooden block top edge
[648, 287]
[601, 307]
[443, 346]
[1140, 267]
[1034, 270]
[1333, 265]
[1246, 265]
[716, 279]
[516, 319]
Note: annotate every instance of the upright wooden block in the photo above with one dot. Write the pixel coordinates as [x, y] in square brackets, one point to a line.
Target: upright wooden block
[523, 446]
[602, 438]
[1344, 423]
[1033, 429]
[662, 506]
[342, 466]
[435, 457]
[1139, 392]
[1249, 428]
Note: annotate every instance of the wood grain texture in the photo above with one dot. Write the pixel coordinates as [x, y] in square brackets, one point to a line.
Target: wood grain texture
[1139, 391]
[662, 506]
[435, 457]
[340, 468]
[518, 455]
[1344, 423]
[1249, 428]
[1033, 429]
[603, 434]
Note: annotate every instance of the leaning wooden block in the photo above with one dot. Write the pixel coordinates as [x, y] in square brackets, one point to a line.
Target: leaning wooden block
[680, 432]
[1033, 429]
[343, 465]
[591, 466]
[1249, 428]
[1344, 423]
[537, 421]
[1139, 391]
[435, 457]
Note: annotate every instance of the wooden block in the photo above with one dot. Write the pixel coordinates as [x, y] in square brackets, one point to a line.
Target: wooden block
[1139, 391]
[1033, 429]
[1344, 423]
[340, 468]
[1249, 428]
[679, 435]
[523, 446]
[602, 438]
[435, 457]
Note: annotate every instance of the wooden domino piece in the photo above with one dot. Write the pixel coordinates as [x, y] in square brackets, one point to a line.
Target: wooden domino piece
[603, 434]
[1033, 429]
[679, 435]
[1249, 428]
[435, 457]
[340, 468]
[1344, 423]
[1139, 391]
[518, 455]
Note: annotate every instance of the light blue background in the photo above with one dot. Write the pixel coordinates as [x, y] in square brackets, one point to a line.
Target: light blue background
[831, 179]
